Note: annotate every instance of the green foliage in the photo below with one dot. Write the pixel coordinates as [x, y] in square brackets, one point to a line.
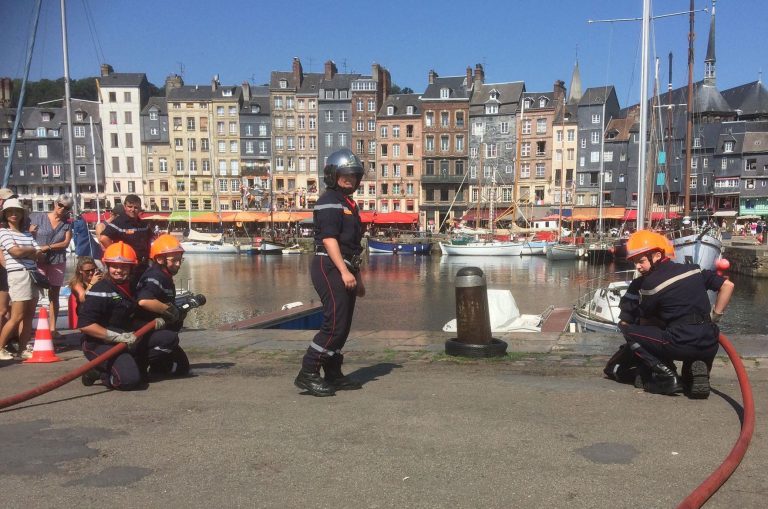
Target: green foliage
[49, 90]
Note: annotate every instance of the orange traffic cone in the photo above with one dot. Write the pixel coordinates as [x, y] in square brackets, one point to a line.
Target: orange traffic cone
[43, 349]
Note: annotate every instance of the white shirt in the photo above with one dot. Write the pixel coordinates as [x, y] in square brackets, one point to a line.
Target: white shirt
[10, 238]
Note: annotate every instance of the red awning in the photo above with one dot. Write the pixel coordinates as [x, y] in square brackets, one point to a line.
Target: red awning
[90, 217]
[370, 216]
[631, 215]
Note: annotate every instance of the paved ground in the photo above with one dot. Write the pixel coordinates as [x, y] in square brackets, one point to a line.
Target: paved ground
[539, 428]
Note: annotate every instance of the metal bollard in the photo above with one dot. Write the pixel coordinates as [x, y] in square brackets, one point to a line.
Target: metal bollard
[473, 321]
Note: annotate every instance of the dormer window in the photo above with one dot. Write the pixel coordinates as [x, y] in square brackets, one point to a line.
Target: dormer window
[255, 108]
[543, 102]
[283, 83]
[494, 95]
[528, 103]
[41, 132]
[79, 116]
[728, 146]
[153, 114]
[491, 109]
[390, 110]
[445, 93]
[697, 142]
[227, 92]
[46, 117]
[409, 110]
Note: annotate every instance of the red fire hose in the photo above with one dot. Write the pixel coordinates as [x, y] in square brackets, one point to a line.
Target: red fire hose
[711, 484]
[68, 377]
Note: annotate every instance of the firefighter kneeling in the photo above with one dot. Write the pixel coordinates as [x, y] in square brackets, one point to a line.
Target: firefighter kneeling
[666, 316]
[108, 316]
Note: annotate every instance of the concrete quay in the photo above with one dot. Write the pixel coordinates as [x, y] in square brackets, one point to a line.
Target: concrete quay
[539, 428]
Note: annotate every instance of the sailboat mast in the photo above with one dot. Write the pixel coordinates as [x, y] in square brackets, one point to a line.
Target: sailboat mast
[670, 132]
[68, 106]
[602, 174]
[689, 116]
[643, 115]
[95, 173]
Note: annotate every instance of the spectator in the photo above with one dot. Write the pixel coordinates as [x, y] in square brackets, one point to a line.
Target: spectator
[86, 275]
[53, 229]
[21, 253]
[101, 225]
[5, 301]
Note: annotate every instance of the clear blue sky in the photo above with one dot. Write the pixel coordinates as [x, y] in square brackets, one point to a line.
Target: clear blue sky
[532, 41]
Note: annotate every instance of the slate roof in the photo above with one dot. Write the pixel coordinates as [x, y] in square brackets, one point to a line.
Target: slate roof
[159, 103]
[595, 95]
[190, 93]
[311, 84]
[401, 103]
[536, 96]
[276, 76]
[122, 79]
[750, 98]
[260, 100]
[707, 99]
[508, 99]
[339, 81]
[624, 126]
[755, 142]
[455, 84]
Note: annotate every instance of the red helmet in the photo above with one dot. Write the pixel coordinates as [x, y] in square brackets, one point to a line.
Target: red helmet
[120, 252]
[165, 244]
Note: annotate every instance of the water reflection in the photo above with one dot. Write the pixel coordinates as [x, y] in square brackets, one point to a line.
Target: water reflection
[414, 292]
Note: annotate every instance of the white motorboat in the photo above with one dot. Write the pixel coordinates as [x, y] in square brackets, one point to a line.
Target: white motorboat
[704, 249]
[598, 310]
[490, 248]
[210, 243]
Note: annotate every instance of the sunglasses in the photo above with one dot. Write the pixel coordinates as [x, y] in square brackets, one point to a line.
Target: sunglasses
[63, 206]
[87, 270]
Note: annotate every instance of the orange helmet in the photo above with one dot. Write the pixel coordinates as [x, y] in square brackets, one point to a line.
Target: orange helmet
[120, 252]
[643, 241]
[165, 244]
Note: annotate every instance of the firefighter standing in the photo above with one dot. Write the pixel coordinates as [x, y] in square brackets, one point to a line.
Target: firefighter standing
[131, 229]
[335, 272]
[156, 294]
[666, 316]
[107, 317]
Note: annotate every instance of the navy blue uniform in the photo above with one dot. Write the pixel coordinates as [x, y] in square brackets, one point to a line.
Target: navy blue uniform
[134, 232]
[672, 303]
[115, 309]
[335, 216]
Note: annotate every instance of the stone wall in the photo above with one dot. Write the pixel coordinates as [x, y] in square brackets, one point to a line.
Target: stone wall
[748, 259]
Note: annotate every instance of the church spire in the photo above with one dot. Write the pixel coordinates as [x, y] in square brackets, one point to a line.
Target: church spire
[709, 61]
[574, 91]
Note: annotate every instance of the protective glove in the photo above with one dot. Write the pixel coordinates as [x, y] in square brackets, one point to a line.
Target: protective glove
[172, 314]
[159, 323]
[121, 337]
[715, 316]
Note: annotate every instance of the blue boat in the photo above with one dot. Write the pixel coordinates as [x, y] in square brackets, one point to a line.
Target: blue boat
[398, 247]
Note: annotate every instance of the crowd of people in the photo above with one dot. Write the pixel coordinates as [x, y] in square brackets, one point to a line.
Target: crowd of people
[129, 285]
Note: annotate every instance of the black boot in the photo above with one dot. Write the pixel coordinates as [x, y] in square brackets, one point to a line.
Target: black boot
[663, 380]
[696, 379]
[312, 382]
[336, 378]
[90, 377]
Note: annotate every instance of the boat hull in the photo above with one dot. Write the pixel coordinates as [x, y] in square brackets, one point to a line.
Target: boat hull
[209, 248]
[379, 246]
[563, 252]
[703, 250]
[483, 249]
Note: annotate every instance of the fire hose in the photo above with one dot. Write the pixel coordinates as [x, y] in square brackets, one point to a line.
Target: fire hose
[68, 377]
[716, 479]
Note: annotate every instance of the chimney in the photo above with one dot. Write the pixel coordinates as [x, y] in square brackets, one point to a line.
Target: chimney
[173, 81]
[432, 76]
[298, 73]
[559, 91]
[479, 74]
[215, 83]
[6, 92]
[246, 91]
[106, 69]
[330, 70]
[468, 80]
[375, 72]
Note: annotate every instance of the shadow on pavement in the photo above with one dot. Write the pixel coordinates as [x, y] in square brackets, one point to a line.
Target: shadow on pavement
[371, 373]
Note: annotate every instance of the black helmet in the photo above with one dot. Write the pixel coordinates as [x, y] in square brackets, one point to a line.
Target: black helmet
[342, 162]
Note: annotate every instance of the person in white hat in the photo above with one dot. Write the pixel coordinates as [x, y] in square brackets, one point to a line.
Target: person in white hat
[5, 300]
[21, 253]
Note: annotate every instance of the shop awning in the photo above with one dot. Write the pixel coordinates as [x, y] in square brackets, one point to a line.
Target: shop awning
[594, 212]
[90, 217]
[631, 215]
[725, 213]
[155, 216]
[369, 216]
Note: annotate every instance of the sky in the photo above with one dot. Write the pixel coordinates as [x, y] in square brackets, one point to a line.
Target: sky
[532, 41]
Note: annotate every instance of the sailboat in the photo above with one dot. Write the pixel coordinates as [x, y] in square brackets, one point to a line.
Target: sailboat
[488, 246]
[598, 309]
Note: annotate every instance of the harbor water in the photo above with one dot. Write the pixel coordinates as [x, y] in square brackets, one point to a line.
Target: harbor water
[416, 292]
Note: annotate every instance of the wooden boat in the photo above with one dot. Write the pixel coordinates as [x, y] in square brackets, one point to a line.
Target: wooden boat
[398, 246]
[557, 252]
